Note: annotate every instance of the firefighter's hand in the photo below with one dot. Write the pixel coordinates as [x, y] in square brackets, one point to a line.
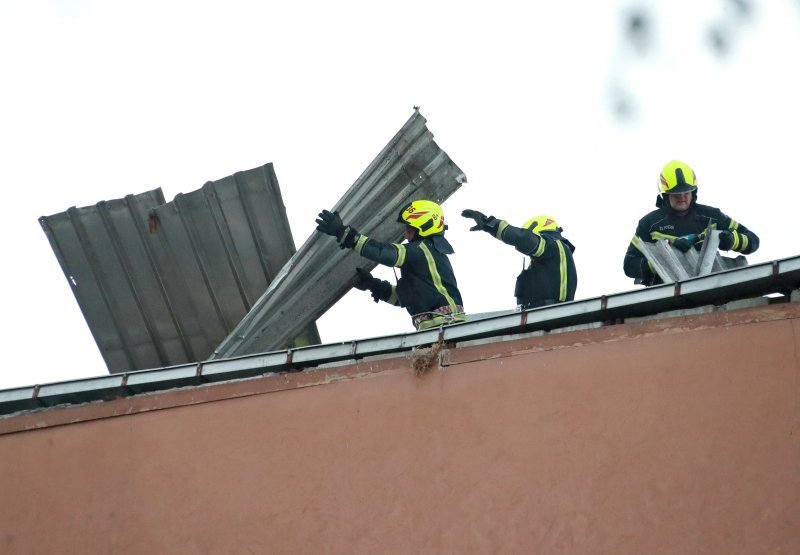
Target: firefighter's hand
[365, 279]
[330, 223]
[683, 244]
[480, 219]
[726, 240]
[366, 282]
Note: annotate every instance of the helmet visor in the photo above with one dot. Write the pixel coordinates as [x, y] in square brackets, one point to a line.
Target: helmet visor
[680, 188]
[400, 218]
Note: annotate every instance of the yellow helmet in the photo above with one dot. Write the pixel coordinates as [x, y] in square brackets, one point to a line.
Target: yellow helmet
[425, 215]
[677, 177]
[537, 224]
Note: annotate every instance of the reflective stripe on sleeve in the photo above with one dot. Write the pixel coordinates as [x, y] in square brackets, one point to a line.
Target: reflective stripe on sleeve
[501, 228]
[736, 240]
[657, 235]
[362, 240]
[401, 255]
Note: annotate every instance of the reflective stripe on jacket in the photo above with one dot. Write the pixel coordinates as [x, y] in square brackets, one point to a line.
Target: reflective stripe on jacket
[552, 276]
[427, 281]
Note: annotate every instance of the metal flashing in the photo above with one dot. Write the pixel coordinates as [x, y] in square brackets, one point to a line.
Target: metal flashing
[732, 285]
[18, 399]
[387, 344]
[94, 389]
[234, 368]
[153, 380]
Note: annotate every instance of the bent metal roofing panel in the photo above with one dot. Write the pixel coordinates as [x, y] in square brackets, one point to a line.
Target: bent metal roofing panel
[410, 167]
[162, 283]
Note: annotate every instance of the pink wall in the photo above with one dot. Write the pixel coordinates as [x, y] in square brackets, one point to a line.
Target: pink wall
[674, 436]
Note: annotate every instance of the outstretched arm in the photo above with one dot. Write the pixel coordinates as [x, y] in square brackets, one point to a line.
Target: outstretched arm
[524, 241]
[388, 254]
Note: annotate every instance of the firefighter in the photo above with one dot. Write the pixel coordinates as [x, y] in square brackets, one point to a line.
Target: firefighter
[682, 221]
[427, 287]
[551, 276]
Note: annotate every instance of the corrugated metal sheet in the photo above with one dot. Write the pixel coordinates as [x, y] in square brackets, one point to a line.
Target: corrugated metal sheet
[161, 284]
[411, 166]
[672, 265]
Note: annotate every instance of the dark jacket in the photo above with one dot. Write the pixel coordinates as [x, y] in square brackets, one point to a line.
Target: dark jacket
[426, 279]
[665, 224]
[551, 276]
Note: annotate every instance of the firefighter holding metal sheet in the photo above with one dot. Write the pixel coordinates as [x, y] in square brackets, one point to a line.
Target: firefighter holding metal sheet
[551, 276]
[427, 286]
[681, 220]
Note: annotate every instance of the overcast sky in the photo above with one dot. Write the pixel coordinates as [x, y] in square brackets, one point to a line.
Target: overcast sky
[102, 99]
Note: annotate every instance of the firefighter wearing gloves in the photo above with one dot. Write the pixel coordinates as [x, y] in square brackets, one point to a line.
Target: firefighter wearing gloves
[427, 287]
[681, 220]
[551, 276]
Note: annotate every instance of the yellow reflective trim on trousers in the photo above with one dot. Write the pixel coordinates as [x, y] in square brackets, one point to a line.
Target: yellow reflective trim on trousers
[441, 320]
[432, 323]
[362, 240]
[501, 228]
[437, 279]
[540, 248]
[562, 267]
[401, 255]
[655, 235]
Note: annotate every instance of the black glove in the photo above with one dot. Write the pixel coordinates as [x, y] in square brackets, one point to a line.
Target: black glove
[684, 243]
[726, 239]
[330, 223]
[480, 219]
[489, 224]
[366, 282]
